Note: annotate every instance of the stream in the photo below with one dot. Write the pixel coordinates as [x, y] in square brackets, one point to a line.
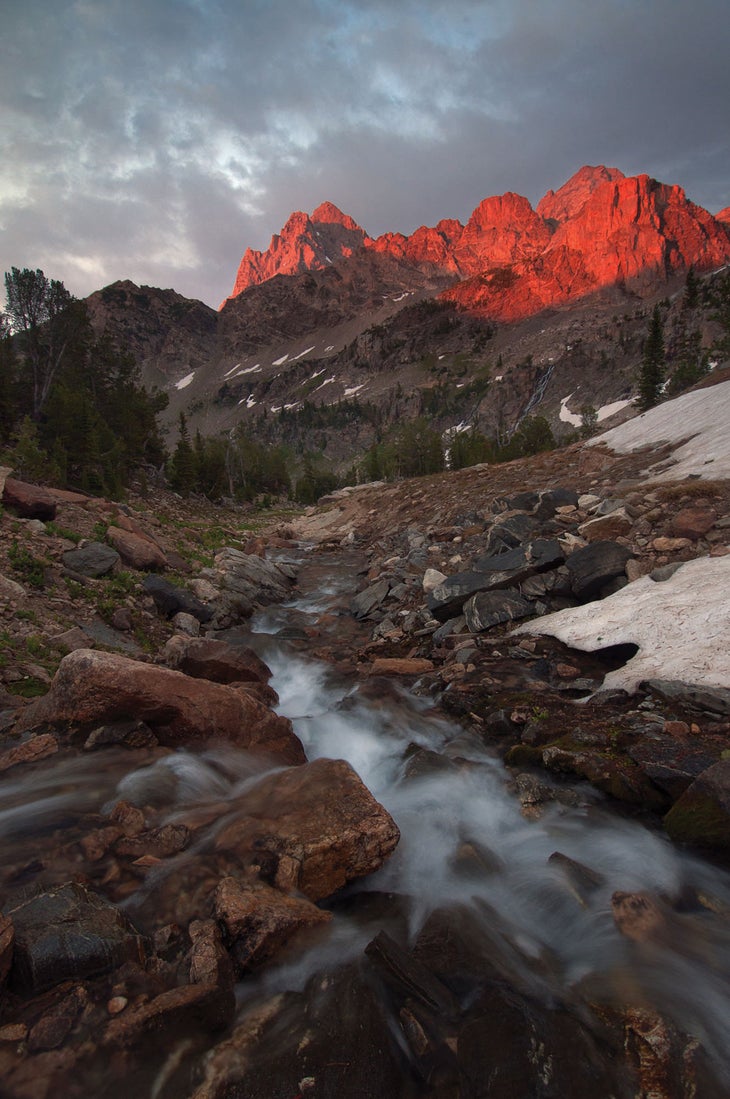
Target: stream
[545, 927]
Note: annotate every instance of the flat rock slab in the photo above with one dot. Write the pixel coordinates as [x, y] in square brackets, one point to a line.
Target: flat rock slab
[487, 609]
[29, 501]
[259, 920]
[94, 559]
[503, 570]
[68, 933]
[682, 626]
[594, 566]
[313, 828]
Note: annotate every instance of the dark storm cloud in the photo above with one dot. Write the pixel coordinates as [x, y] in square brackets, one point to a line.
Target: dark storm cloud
[156, 139]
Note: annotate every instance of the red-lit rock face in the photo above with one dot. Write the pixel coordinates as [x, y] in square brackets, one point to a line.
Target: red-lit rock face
[599, 229]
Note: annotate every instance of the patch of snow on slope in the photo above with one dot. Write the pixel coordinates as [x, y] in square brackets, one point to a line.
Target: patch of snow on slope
[700, 418]
[289, 407]
[281, 361]
[185, 382]
[248, 401]
[405, 294]
[249, 370]
[330, 347]
[327, 381]
[229, 372]
[566, 415]
[302, 353]
[681, 625]
[607, 410]
[354, 389]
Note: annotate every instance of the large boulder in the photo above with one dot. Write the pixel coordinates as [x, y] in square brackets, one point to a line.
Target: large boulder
[68, 933]
[93, 688]
[208, 658]
[259, 920]
[702, 815]
[246, 580]
[93, 559]
[136, 551]
[28, 501]
[171, 599]
[487, 609]
[312, 828]
[594, 566]
[492, 573]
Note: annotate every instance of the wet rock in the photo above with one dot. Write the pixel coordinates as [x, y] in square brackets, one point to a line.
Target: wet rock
[67, 933]
[176, 1013]
[488, 609]
[92, 688]
[701, 816]
[369, 600]
[28, 501]
[259, 920]
[54, 1026]
[393, 665]
[171, 600]
[136, 551]
[640, 917]
[33, 749]
[93, 559]
[312, 828]
[671, 762]
[581, 878]
[248, 580]
[207, 658]
[210, 962]
[7, 939]
[592, 567]
[492, 574]
[160, 842]
[132, 734]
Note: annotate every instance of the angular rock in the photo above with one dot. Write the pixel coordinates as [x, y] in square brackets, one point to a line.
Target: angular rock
[670, 545]
[136, 551]
[210, 962]
[487, 609]
[615, 524]
[170, 599]
[259, 920]
[672, 763]
[701, 816]
[54, 1026]
[592, 567]
[35, 748]
[28, 501]
[171, 1016]
[312, 828]
[367, 601]
[68, 933]
[431, 579]
[208, 658]
[94, 559]
[492, 574]
[705, 699]
[92, 688]
[251, 579]
[10, 590]
[693, 523]
[509, 531]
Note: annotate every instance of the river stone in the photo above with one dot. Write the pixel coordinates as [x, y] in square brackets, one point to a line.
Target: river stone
[94, 559]
[68, 933]
[209, 658]
[593, 566]
[702, 815]
[253, 579]
[259, 920]
[94, 688]
[312, 828]
[487, 609]
[171, 600]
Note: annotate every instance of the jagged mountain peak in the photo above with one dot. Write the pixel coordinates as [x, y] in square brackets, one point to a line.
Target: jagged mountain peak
[329, 214]
[569, 199]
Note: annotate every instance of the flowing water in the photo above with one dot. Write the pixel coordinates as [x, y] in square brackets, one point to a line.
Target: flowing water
[464, 841]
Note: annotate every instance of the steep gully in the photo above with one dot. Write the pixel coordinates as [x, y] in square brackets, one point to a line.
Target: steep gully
[529, 903]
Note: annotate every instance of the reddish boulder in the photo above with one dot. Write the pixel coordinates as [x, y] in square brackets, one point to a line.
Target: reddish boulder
[207, 658]
[29, 501]
[92, 688]
[258, 920]
[312, 828]
[693, 523]
[136, 550]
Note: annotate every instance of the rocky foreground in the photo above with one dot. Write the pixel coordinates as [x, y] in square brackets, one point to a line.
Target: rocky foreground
[128, 922]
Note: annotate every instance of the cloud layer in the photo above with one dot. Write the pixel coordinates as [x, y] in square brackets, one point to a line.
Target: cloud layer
[156, 139]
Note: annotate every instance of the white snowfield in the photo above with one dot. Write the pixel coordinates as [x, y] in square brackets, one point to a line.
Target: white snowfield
[701, 418]
[681, 625]
[185, 382]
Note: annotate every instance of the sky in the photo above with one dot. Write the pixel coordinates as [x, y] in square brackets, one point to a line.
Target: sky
[156, 140]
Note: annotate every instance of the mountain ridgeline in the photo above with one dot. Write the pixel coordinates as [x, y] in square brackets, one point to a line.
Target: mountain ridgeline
[332, 341]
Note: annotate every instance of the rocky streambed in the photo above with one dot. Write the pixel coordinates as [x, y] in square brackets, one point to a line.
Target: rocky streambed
[373, 841]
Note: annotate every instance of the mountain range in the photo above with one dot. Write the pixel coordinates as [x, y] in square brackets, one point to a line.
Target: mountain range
[519, 307]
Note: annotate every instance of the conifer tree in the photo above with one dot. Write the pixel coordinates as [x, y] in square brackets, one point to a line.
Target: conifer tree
[651, 377]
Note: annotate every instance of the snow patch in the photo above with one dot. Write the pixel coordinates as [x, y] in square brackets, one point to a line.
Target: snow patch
[249, 370]
[607, 410]
[330, 347]
[701, 418]
[301, 354]
[681, 625]
[405, 294]
[229, 372]
[281, 361]
[499, 378]
[185, 382]
[289, 407]
[567, 416]
[327, 381]
[354, 389]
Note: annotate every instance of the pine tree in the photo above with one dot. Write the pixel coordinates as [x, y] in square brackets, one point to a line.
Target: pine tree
[651, 377]
[183, 474]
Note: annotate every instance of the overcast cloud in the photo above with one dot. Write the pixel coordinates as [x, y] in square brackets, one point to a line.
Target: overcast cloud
[157, 139]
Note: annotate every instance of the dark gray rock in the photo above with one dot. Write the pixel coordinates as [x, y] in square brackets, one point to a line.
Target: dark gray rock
[68, 933]
[492, 573]
[511, 531]
[708, 700]
[487, 609]
[369, 600]
[95, 559]
[594, 566]
[702, 815]
[671, 763]
[170, 600]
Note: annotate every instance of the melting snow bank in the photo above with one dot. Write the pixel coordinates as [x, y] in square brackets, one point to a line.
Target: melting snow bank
[681, 625]
[185, 382]
[700, 417]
